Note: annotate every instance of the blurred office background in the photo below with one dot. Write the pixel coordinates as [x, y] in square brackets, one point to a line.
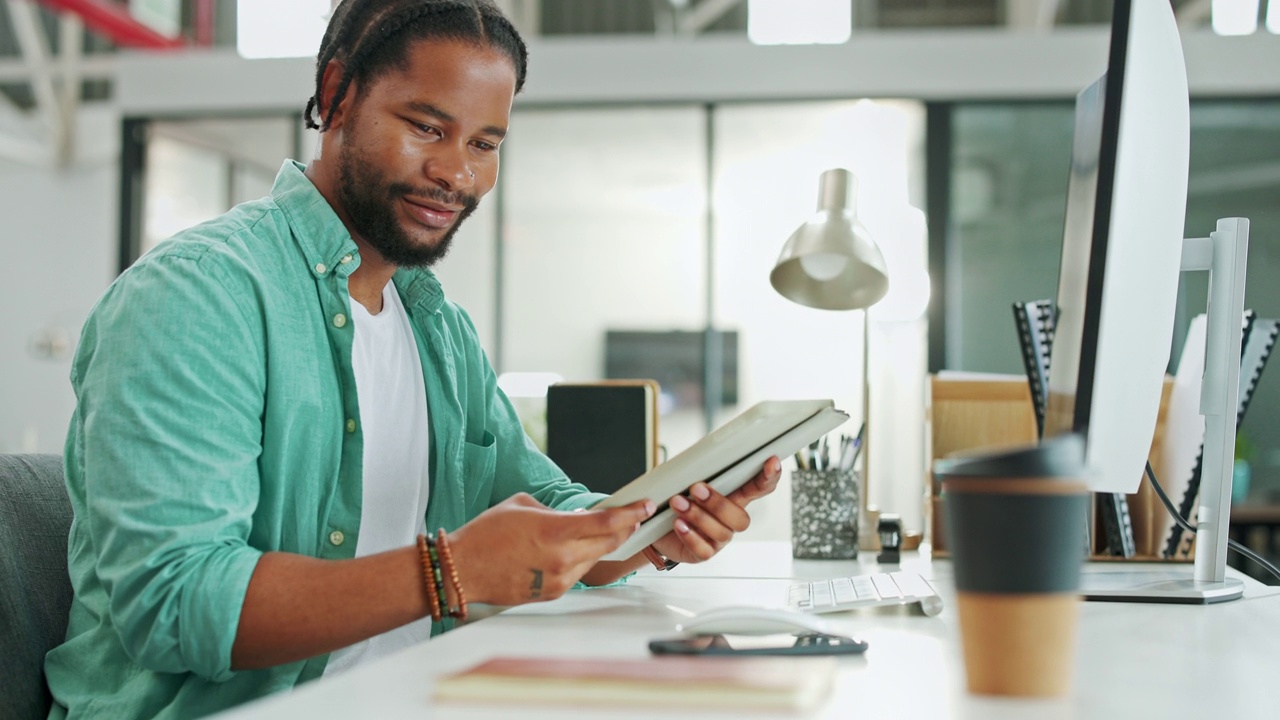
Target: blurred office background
[660, 155]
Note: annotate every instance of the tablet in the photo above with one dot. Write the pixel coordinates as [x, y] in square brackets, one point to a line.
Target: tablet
[725, 460]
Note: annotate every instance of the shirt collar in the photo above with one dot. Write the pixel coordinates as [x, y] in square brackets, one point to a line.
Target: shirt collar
[325, 241]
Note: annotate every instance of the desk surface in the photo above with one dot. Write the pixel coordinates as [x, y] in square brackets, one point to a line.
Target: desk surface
[1133, 660]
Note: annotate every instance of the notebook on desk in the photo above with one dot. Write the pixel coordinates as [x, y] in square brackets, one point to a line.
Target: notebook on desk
[680, 684]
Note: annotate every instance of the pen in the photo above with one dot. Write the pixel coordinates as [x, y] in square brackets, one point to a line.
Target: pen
[802, 458]
[846, 453]
[857, 444]
[857, 440]
[857, 449]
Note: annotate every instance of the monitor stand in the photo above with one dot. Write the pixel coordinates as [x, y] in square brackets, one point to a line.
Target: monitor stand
[1101, 582]
[1223, 254]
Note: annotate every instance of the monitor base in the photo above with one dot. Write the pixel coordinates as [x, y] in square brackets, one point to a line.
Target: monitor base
[1157, 586]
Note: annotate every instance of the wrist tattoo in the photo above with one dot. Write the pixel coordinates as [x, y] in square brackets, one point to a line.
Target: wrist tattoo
[535, 588]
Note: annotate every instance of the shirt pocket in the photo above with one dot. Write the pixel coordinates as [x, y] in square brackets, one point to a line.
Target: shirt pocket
[479, 462]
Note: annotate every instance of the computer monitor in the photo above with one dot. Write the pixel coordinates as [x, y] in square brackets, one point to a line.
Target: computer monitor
[1122, 247]
[676, 359]
[1122, 253]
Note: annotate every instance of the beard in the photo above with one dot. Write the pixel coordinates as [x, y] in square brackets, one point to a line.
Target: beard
[370, 199]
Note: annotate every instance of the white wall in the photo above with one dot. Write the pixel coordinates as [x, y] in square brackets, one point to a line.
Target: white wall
[58, 232]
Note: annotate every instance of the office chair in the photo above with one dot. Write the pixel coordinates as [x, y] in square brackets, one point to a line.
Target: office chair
[35, 591]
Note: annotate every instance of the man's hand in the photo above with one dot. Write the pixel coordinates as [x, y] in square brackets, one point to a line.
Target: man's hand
[706, 520]
[520, 551]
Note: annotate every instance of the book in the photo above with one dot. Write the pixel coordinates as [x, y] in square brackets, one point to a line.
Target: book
[603, 434]
[1036, 320]
[677, 683]
[725, 459]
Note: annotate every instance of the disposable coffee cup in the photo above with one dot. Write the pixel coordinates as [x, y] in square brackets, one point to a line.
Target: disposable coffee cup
[1016, 527]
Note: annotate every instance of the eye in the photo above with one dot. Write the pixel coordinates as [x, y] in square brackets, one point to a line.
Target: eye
[484, 146]
[426, 129]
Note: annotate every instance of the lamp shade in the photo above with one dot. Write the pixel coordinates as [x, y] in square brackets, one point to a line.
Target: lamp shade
[831, 262]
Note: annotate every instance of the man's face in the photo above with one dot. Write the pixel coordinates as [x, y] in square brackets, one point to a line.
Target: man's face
[420, 148]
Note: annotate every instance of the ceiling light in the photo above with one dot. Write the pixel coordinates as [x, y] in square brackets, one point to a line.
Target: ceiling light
[799, 22]
[280, 28]
[1235, 17]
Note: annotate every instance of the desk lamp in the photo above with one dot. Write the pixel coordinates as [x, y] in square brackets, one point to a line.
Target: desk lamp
[832, 263]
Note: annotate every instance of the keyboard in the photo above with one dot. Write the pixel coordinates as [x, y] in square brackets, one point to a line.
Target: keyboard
[863, 591]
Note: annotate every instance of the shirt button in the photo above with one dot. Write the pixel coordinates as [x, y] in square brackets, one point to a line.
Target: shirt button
[351, 425]
[345, 259]
[339, 320]
[320, 268]
[336, 537]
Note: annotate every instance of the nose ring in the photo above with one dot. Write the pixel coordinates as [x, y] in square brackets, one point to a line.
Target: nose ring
[473, 174]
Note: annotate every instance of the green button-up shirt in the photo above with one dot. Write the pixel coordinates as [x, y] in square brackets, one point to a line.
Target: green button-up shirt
[217, 419]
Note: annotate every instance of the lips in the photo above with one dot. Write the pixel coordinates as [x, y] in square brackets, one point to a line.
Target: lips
[432, 214]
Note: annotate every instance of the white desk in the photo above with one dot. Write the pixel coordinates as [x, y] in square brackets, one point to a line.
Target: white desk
[1133, 660]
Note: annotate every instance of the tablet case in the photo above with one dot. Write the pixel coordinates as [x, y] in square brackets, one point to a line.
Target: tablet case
[725, 459]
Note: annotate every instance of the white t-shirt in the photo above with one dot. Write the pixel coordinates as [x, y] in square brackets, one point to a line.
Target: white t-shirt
[393, 414]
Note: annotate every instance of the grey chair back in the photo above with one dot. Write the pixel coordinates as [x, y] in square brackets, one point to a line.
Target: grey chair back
[35, 592]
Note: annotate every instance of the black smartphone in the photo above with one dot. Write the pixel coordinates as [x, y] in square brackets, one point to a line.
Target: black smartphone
[809, 644]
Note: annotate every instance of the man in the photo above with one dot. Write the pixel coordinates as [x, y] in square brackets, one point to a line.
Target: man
[273, 405]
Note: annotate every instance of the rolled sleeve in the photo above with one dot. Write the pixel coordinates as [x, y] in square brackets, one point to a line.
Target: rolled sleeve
[171, 401]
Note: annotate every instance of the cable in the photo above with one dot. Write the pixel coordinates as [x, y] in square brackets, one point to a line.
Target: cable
[1177, 517]
[1186, 525]
[1254, 557]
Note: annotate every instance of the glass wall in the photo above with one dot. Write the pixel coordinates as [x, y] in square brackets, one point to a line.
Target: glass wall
[1008, 201]
[197, 169]
[604, 217]
[1008, 187]
[1235, 172]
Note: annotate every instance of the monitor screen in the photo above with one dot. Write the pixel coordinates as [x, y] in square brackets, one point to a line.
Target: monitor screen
[1067, 408]
[675, 358]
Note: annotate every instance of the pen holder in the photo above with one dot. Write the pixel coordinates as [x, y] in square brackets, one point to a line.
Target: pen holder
[824, 514]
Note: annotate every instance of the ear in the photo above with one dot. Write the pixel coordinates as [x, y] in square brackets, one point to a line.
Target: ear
[328, 89]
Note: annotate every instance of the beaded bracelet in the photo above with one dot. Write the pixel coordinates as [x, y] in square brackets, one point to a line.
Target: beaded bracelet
[437, 575]
[428, 577]
[446, 559]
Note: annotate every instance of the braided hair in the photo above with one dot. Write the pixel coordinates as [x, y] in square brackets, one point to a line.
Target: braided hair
[372, 36]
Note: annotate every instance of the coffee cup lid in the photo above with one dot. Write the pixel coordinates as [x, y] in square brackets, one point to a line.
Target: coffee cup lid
[1060, 456]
